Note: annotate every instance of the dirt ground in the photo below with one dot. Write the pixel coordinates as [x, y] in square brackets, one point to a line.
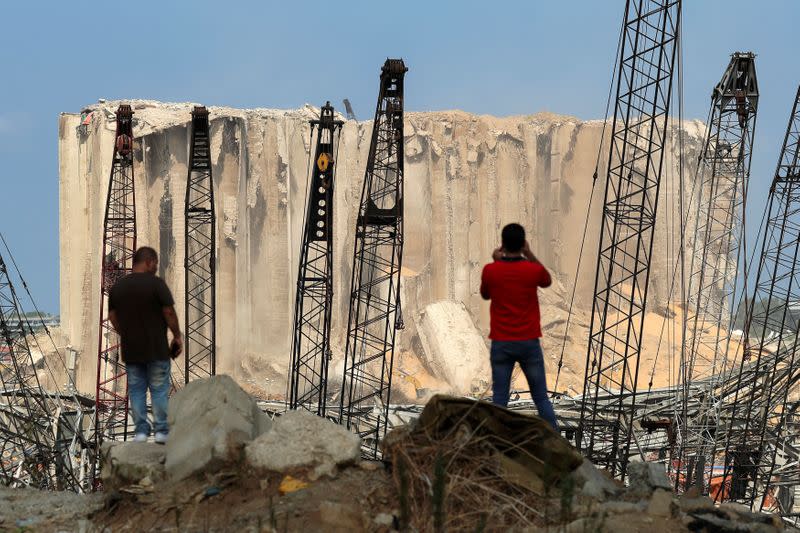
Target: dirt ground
[231, 501]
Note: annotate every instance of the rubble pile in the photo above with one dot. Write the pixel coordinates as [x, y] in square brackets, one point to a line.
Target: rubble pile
[465, 463]
[461, 466]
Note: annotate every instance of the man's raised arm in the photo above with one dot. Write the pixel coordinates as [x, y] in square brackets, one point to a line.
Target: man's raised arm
[545, 280]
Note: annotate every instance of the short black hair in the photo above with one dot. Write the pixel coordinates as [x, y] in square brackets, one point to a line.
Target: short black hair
[143, 254]
[513, 238]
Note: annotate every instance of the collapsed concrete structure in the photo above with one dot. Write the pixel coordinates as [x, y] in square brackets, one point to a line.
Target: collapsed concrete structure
[466, 176]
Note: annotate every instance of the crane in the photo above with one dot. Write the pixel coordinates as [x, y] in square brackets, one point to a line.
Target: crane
[760, 450]
[119, 244]
[723, 172]
[308, 373]
[201, 254]
[636, 155]
[374, 314]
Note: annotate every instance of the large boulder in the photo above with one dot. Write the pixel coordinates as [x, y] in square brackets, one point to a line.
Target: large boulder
[593, 483]
[210, 421]
[453, 348]
[644, 478]
[299, 439]
[131, 463]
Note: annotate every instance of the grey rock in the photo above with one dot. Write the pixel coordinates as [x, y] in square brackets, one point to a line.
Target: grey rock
[733, 508]
[619, 507]
[384, 519]
[698, 503]
[593, 483]
[743, 513]
[581, 525]
[661, 504]
[210, 422]
[712, 522]
[644, 478]
[762, 528]
[128, 463]
[300, 439]
[338, 517]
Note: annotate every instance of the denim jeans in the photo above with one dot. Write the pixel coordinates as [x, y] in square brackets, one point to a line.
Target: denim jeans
[504, 355]
[155, 376]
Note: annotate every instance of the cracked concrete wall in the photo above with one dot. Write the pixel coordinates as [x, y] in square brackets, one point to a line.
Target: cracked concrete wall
[466, 176]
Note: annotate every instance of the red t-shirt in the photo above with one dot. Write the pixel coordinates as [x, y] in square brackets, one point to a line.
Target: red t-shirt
[511, 284]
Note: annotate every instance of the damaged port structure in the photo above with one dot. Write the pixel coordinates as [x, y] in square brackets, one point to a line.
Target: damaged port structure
[725, 424]
[43, 431]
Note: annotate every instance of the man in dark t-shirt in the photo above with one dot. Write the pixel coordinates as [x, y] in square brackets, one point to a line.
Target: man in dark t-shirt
[141, 308]
[512, 282]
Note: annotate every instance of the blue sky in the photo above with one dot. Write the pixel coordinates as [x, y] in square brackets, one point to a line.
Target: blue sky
[500, 57]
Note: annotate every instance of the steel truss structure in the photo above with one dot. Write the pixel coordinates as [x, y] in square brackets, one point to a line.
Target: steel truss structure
[761, 447]
[374, 313]
[723, 172]
[200, 249]
[42, 443]
[644, 88]
[308, 374]
[119, 243]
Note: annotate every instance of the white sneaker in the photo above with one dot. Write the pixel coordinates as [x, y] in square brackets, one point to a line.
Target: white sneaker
[140, 437]
[161, 438]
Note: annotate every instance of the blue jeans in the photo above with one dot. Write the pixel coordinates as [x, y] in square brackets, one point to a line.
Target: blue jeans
[504, 355]
[155, 376]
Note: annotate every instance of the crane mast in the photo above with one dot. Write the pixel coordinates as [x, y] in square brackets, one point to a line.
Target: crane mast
[636, 154]
[308, 373]
[760, 452]
[200, 242]
[119, 244]
[374, 315]
[723, 172]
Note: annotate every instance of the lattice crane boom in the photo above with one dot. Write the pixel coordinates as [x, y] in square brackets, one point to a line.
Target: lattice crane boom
[761, 452]
[636, 154]
[308, 373]
[42, 441]
[200, 248]
[119, 243]
[723, 173]
[375, 285]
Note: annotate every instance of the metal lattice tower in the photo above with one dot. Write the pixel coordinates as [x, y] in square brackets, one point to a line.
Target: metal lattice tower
[723, 172]
[308, 374]
[200, 266]
[644, 88]
[23, 424]
[374, 313]
[119, 243]
[761, 449]
[41, 442]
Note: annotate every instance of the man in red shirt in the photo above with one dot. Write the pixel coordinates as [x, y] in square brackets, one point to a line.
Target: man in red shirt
[511, 282]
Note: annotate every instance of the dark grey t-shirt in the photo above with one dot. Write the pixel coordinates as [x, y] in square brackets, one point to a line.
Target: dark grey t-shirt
[138, 300]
